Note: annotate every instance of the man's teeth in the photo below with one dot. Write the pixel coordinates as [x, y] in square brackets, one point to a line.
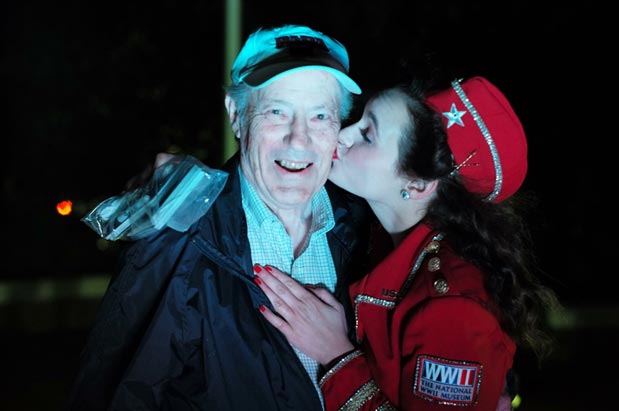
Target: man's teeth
[292, 165]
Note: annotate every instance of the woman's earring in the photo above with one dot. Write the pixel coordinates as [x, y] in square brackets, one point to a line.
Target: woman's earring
[404, 194]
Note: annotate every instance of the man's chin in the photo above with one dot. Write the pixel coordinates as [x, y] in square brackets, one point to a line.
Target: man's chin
[290, 198]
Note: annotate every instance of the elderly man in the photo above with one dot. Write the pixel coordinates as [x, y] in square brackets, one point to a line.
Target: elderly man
[179, 327]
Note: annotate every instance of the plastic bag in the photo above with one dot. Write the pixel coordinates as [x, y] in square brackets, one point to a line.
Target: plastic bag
[177, 195]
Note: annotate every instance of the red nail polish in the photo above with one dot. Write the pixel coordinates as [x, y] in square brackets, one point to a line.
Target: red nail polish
[268, 268]
[257, 281]
[257, 268]
[262, 308]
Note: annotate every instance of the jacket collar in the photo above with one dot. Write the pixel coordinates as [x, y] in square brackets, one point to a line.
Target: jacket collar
[222, 232]
[391, 279]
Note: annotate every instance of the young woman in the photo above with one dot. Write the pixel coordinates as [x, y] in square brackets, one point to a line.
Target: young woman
[438, 319]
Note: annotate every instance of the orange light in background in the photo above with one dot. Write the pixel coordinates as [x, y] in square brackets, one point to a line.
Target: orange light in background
[64, 207]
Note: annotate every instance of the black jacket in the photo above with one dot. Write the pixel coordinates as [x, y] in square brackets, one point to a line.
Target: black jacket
[179, 326]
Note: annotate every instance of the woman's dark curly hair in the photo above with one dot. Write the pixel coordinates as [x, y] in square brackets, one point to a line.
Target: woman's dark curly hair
[493, 236]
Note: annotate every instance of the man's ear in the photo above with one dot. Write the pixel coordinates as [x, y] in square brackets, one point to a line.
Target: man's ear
[233, 115]
[419, 188]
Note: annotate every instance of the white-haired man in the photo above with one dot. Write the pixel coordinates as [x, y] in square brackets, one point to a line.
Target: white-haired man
[179, 327]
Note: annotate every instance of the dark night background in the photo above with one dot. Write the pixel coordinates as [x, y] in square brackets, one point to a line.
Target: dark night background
[91, 91]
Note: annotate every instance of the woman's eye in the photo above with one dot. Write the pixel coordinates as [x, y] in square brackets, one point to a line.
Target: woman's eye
[364, 135]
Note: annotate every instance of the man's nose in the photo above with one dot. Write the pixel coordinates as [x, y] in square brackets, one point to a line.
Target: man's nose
[298, 131]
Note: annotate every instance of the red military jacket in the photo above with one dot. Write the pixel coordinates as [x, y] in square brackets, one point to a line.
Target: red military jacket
[429, 338]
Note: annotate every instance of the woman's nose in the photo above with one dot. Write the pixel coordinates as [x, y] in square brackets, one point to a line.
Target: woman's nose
[344, 138]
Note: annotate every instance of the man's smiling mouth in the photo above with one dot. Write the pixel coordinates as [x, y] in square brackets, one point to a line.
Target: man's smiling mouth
[293, 166]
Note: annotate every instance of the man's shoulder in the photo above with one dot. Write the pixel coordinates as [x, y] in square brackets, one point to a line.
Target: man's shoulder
[163, 242]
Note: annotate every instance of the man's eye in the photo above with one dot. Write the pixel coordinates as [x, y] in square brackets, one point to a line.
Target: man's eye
[276, 111]
[322, 117]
